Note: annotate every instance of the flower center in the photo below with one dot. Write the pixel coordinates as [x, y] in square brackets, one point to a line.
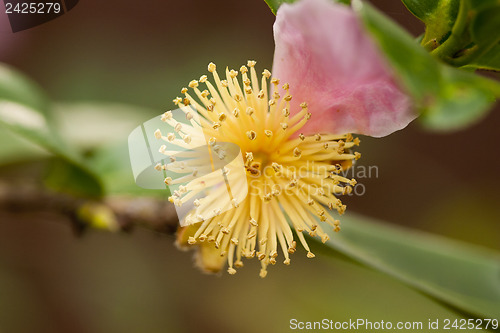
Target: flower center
[293, 180]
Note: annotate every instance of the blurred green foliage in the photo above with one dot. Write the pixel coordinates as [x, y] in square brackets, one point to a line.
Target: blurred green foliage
[95, 164]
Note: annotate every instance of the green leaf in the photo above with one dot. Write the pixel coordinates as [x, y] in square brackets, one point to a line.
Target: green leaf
[25, 111]
[67, 177]
[485, 26]
[108, 144]
[463, 99]
[275, 4]
[18, 149]
[438, 15]
[488, 61]
[112, 164]
[448, 98]
[464, 276]
[108, 122]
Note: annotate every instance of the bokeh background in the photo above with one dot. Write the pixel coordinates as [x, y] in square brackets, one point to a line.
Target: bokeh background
[131, 53]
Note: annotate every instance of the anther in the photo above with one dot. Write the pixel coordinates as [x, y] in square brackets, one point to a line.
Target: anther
[233, 73]
[170, 137]
[249, 111]
[158, 134]
[251, 135]
[167, 115]
[297, 152]
[211, 67]
[203, 79]
[193, 84]
[251, 63]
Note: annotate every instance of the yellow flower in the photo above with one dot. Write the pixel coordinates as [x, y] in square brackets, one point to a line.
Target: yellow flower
[293, 180]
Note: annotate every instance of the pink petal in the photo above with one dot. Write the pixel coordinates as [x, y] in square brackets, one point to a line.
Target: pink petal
[331, 63]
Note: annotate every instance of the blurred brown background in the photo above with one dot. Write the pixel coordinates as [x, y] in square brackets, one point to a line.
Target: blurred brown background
[142, 53]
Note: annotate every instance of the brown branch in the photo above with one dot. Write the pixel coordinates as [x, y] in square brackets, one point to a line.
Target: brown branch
[114, 213]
